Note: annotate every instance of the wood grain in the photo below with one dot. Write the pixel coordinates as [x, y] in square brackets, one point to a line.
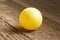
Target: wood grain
[11, 30]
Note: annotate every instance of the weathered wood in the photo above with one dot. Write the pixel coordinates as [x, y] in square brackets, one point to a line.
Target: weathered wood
[10, 29]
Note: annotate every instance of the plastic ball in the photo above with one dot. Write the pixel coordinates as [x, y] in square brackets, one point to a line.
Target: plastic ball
[30, 18]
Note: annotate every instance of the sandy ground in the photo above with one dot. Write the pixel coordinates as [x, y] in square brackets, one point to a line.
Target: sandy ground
[10, 29]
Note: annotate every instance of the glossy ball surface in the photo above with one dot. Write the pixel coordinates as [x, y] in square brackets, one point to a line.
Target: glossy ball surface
[30, 18]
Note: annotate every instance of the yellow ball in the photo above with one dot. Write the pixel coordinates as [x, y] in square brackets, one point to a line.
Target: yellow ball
[30, 18]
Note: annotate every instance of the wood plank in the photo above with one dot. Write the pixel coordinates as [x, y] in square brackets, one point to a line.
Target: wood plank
[10, 29]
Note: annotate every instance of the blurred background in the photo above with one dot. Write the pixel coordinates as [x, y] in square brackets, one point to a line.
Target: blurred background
[10, 28]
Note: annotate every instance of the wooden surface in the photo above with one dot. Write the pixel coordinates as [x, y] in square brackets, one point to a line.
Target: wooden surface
[10, 29]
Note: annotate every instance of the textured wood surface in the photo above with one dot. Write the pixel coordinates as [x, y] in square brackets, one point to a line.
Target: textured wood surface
[10, 29]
